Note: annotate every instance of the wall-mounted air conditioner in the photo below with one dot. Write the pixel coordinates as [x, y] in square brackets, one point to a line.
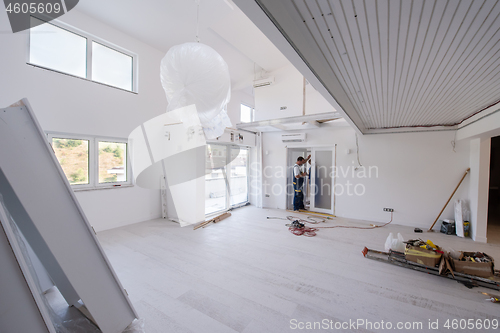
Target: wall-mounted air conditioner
[263, 82]
[293, 137]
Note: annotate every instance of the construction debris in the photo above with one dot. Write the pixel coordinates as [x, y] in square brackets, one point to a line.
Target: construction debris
[214, 220]
[444, 269]
[492, 298]
[473, 263]
[426, 254]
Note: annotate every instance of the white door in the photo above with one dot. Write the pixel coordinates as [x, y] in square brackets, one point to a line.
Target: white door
[323, 161]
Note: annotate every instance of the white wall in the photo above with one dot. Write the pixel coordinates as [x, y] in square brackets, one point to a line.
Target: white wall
[67, 104]
[480, 149]
[238, 97]
[478, 130]
[485, 125]
[255, 186]
[315, 103]
[416, 173]
[288, 91]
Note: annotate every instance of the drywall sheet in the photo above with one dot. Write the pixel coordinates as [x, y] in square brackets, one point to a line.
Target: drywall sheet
[42, 203]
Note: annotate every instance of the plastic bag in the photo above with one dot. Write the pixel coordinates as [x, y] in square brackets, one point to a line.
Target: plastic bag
[194, 73]
[394, 244]
[461, 213]
[388, 242]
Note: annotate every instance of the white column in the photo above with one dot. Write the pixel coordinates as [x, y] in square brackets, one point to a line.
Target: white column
[480, 150]
[256, 171]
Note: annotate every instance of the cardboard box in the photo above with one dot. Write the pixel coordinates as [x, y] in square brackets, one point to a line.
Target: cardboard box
[481, 269]
[422, 256]
[445, 267]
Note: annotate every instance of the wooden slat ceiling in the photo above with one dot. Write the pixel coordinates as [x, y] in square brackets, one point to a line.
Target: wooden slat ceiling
[400, 63]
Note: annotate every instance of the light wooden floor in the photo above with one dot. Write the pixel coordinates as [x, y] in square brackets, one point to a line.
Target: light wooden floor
[250, 274]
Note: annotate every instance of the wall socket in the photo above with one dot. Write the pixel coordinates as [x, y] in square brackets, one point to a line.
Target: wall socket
[388, 210]
[267, 195]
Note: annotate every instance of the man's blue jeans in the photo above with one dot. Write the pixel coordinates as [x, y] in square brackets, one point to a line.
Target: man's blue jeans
[298, 198]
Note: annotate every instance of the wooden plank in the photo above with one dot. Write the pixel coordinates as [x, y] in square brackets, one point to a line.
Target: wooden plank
[202, 224]
[222, 217]
[213, 220]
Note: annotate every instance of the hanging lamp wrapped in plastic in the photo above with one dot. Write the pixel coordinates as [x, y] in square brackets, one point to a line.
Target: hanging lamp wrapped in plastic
[194, 73]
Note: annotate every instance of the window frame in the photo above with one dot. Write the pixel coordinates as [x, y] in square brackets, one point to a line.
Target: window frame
[94, 160]
[90, 38]
[127, 162]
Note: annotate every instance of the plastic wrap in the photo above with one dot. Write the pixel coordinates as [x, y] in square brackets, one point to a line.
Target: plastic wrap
[461, 215]
[194, 73]
[197, 86]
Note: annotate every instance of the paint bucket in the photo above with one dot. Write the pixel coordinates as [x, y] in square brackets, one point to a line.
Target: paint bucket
[466, 229]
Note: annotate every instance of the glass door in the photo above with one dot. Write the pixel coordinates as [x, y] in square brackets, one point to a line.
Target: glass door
[322, 180]
[226, 178]
[238, 176]
[215, 179]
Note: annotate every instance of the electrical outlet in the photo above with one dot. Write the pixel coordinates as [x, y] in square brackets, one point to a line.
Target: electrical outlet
[267, 195]
[388, 210]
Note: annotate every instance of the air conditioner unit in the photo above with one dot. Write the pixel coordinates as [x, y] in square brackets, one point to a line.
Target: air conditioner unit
[293, 137]
[263, 82]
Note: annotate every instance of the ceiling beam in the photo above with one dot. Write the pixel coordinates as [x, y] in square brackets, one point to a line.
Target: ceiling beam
[314, 123]
[410, 129]
[280, 127]
[312, 119]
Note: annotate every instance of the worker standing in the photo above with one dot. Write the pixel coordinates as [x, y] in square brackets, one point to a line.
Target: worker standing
[299, 176]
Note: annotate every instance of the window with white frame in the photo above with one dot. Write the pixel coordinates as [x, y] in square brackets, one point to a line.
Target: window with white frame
[92, 162]
[73, 156]
[246, 115]
[64, 49]
[112, 162]
[111, 67]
